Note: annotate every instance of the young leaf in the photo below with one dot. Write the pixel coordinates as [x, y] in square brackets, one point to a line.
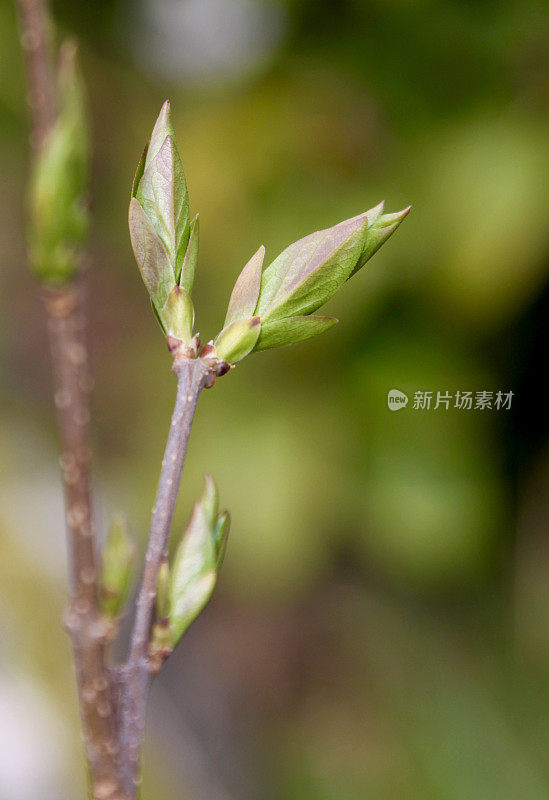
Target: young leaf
[237, 339]
[186, 278]
[151, 256]
[311, 270]
[177, 316]
[193, 574]
[194, 571]
[187, 605]
[246, 289]
[292, 330]
[162, 193]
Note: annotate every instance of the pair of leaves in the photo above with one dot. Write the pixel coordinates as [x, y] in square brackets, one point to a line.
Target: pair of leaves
[165, 242]
[184, 590]
[268, 308]
[277, 304]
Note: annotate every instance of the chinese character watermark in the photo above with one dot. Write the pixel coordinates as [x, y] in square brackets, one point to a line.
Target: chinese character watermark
[445, 400]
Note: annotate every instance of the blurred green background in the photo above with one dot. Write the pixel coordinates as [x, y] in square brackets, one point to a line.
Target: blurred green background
[381, 627]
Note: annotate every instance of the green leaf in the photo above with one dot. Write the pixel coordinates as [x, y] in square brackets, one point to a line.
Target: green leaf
[292, 330]
[237, 339]
[194, 570]
[151, 256]
[187, 605]
[193, 574]
[162, 193]
[246, 289]
[116, 574]
[188, 267]
[311, 270]
[177, 316]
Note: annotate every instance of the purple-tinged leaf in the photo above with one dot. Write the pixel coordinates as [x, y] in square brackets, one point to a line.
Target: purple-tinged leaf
[151, 256]
[246, 289]
[309, 272]
[291, 330]
[162, 193]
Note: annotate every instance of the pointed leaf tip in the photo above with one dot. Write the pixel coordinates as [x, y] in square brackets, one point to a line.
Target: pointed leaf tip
[398, 216]
[378, 233]
[163, 127]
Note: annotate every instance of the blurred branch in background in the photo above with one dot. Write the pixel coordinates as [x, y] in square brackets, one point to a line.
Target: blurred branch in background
[54, 102]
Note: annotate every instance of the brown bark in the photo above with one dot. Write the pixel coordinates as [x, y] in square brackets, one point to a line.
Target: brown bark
[89, 632]
[66, 327]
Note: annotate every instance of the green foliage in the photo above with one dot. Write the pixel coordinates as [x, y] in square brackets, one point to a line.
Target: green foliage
[310, 271]
[269, 308]
[165, 243]
[184, 590]
[58, 216]
[303, 277]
